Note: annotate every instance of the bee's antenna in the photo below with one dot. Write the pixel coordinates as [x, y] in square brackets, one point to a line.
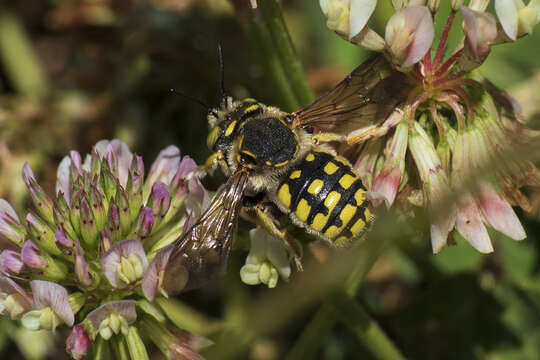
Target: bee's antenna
[221, 71]
[194, 99]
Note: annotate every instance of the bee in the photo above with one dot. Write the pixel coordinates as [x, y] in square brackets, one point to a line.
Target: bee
[282, 160]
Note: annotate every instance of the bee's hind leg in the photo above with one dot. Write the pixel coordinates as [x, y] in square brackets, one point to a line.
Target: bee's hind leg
[262, 212]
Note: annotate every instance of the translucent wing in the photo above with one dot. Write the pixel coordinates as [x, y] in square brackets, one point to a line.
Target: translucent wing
[201, 253]
[365, 97]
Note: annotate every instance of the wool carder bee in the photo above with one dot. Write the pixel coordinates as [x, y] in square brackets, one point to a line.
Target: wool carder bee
[283, 160]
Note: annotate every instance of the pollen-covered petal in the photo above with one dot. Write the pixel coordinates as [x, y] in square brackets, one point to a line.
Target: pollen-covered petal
[499, 214]
[112, 258]
[50, 294]
[469, 224]
[360, 12]
[124, 308]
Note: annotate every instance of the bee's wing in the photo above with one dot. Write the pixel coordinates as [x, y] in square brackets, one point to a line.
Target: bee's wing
[365, 97]
[203, 250]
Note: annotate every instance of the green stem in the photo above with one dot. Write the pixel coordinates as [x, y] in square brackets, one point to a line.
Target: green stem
[18, 58]
[365, 328]
[260, 38]
[330, 312]
[271, 14]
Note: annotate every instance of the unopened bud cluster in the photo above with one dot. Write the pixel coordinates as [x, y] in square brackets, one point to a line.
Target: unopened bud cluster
[80, 258]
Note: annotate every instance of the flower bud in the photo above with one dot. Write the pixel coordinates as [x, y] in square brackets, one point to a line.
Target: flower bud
[347, 18]
[480, 34]
[10, 262]
[388, 181]
[145, 223]
[61, 214]
[40, 199]
[42, 234]
[81, 267]
[136, 347]
[31, 256]
[409, 35]
[433, 5]
[78, 342]
[89, 229]
[159, 202]
[124, 210]
[134, 189]
[50, 268]
[10, 226]
[65, 244]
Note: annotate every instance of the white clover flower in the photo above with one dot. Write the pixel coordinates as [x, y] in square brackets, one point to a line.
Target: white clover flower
[267, 260]
[516, 18]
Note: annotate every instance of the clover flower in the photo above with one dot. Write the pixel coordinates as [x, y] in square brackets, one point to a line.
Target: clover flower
[450, 125]
[267, 260]
[79, 257]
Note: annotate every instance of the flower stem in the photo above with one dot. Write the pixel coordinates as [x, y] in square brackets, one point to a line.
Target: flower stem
[271, 14]
[367, 330]
[19, 59]
[444, 38]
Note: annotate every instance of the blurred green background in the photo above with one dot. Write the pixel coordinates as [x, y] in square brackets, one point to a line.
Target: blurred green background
[73, 72]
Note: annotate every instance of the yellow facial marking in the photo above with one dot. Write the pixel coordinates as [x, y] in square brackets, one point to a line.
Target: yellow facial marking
[330, 168]
[357, 227]
[281, 163]
[359, 197]
[346, 181]
[295, 174]
[284, 195]
[251, 108]
[310, 157]
[230, 128]
[302, 210]
[212, 137]
[315, 187]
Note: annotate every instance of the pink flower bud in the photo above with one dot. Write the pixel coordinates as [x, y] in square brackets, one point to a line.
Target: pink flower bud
[78, 342]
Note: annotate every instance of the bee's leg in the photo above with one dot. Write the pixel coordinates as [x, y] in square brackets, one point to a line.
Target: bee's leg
[212, 162]
[325, 137]
[263, 211]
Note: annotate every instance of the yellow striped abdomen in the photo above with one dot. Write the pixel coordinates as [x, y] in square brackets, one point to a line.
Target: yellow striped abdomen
[325, 194]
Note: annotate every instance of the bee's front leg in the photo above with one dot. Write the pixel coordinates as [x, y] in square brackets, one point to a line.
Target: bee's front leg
[210, 165]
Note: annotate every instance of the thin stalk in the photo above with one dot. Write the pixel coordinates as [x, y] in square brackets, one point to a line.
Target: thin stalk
[260, 39]
[365, 328]
[449, 63]
[271, 14]
[444, 38]
[19, 59]
[326, 317]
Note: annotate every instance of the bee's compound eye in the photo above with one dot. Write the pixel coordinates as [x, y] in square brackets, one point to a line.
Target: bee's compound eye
[247, 159]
